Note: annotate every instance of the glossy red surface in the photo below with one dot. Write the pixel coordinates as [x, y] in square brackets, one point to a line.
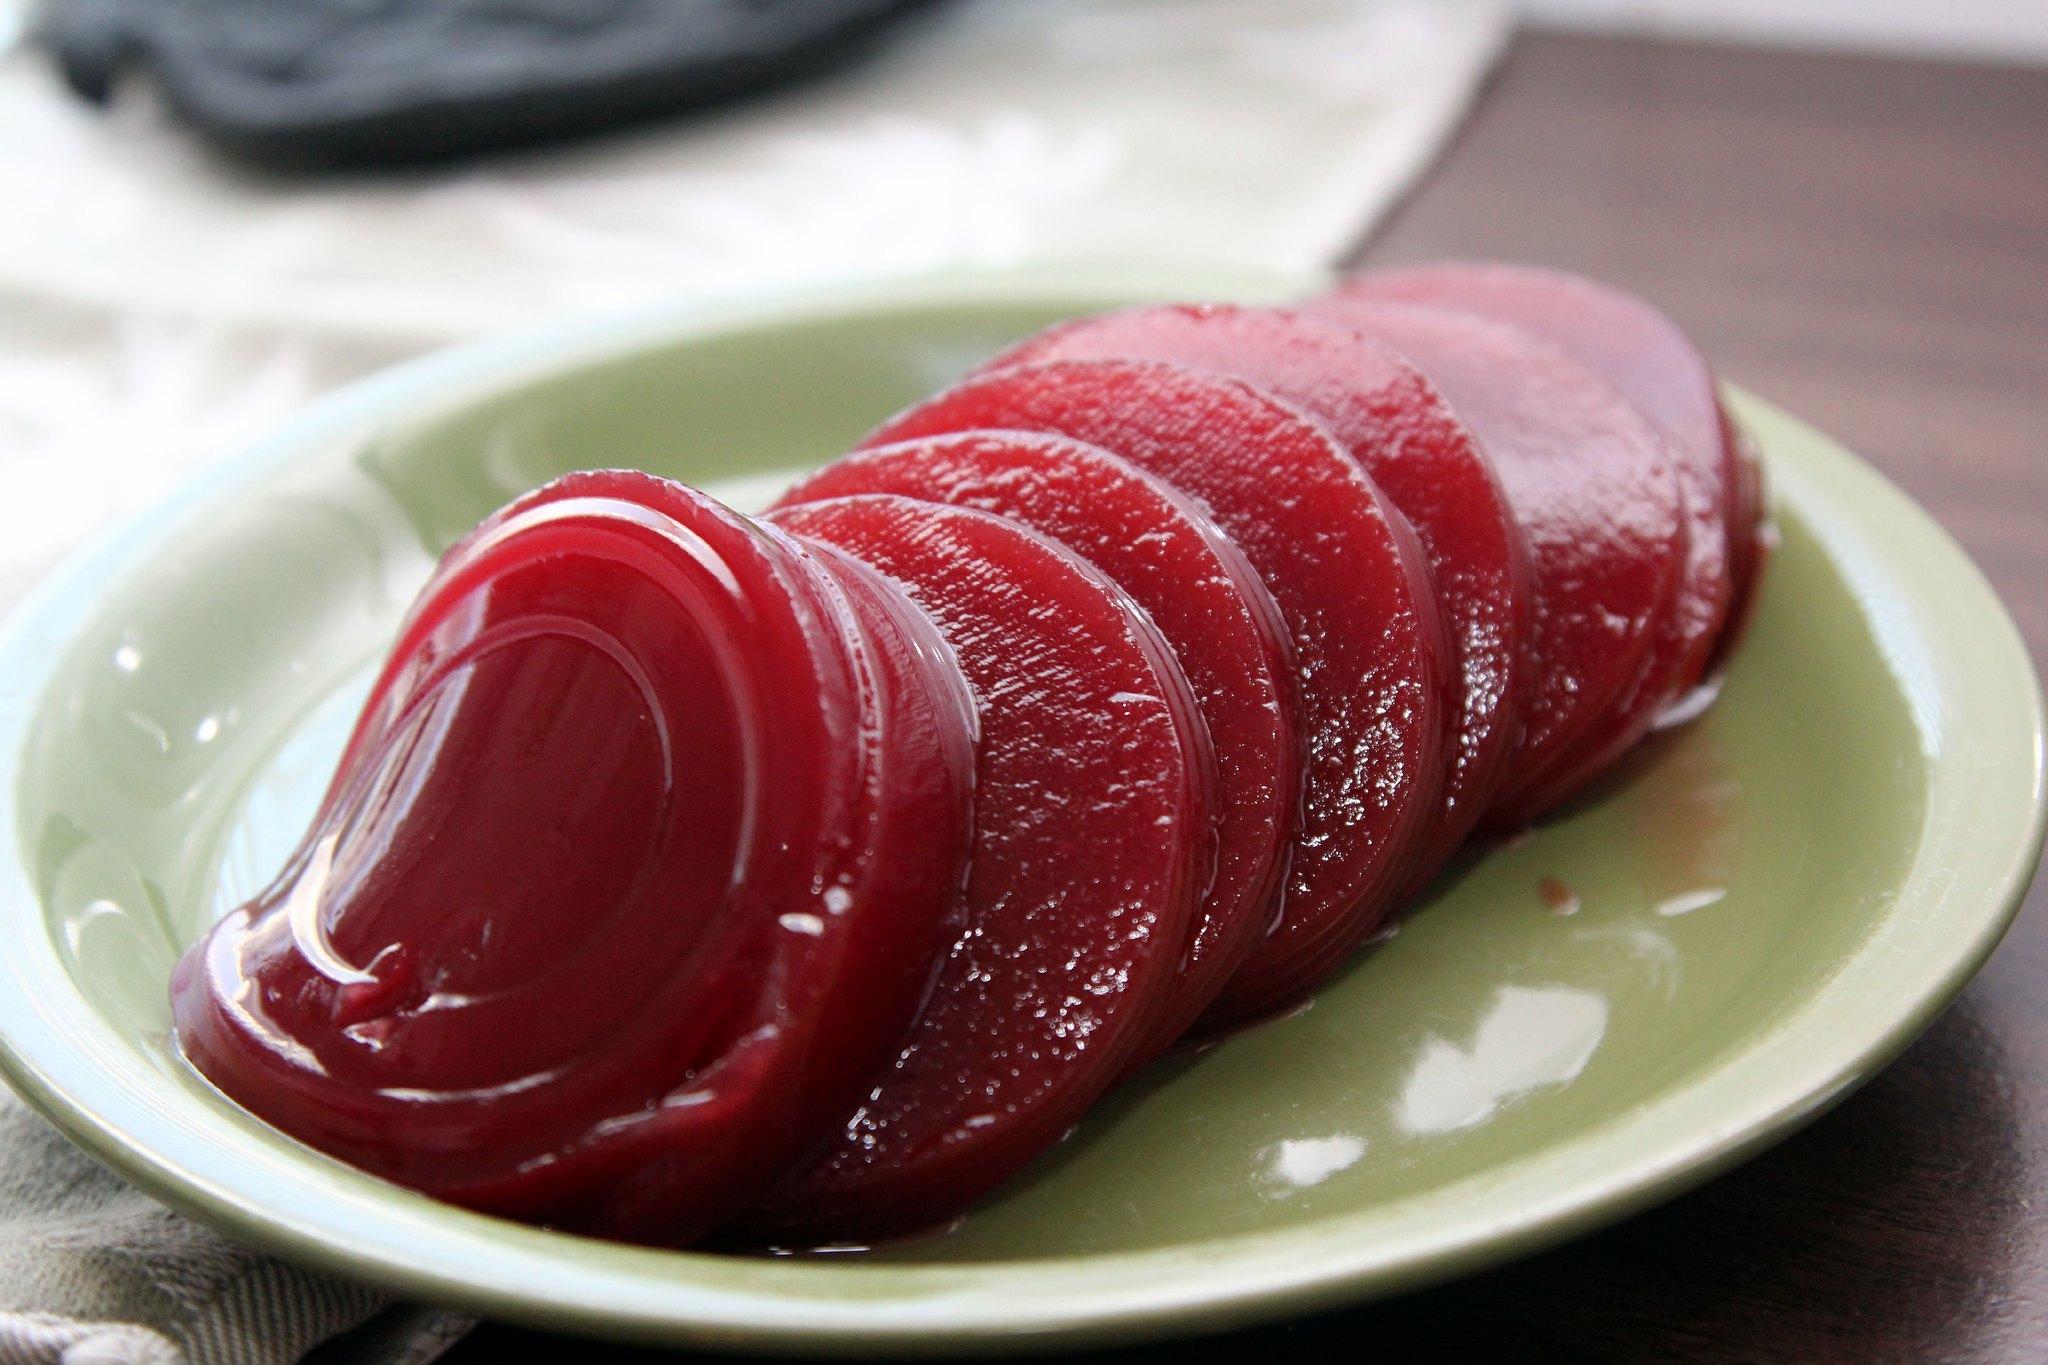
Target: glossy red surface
[1209, 604]
[1351, 582]
[633, 871]
[1754, 539]
[1093, 844]
[1424, 459]
[1656, 366]
[1595, 488]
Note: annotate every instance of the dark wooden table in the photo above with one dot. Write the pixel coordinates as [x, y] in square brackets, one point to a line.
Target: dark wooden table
[1866, 242]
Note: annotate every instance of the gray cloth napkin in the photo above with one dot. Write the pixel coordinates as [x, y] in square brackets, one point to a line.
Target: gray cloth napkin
[94, 1272]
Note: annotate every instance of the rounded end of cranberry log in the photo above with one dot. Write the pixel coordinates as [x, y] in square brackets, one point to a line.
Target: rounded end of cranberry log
[638, 858]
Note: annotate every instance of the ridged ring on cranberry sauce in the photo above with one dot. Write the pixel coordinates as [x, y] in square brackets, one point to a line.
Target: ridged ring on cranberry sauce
[633, 872]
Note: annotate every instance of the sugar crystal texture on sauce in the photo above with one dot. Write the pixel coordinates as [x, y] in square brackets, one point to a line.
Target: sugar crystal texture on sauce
[1427, 462]
[1594, 485]
[1212, 609]
[1093, 845]
[1350, 579]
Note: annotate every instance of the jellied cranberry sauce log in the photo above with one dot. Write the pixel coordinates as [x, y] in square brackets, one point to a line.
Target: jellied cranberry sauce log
[802, 879]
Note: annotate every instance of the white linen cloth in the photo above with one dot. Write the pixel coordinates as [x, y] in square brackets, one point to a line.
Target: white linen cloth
[159, 307]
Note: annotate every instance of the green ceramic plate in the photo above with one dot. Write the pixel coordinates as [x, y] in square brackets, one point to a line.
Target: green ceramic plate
[1757, 917]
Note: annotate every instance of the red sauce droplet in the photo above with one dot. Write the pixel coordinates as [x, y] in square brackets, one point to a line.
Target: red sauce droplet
[1558, 898]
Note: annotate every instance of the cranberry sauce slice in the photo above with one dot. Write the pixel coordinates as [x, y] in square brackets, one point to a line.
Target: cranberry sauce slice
[1593, 484]
[1351, 582]
[1753, 539]
[1644, 354]
[1207, 601]
[635, 868]
[1093, 844]
[1424, 459]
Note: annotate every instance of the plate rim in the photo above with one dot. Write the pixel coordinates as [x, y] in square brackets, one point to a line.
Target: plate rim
[1088, 1298]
